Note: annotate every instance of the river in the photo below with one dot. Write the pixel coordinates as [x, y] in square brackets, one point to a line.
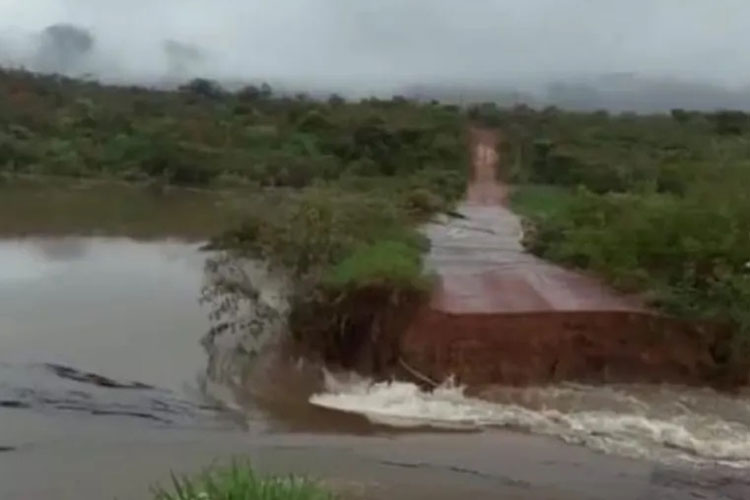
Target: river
[103, 394]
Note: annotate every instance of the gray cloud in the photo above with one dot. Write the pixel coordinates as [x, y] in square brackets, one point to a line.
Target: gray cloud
[384, 44]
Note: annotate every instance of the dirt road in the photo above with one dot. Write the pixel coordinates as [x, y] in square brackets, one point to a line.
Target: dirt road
[483, 266]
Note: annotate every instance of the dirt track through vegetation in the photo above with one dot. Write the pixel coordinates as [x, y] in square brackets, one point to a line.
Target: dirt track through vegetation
[483, 267]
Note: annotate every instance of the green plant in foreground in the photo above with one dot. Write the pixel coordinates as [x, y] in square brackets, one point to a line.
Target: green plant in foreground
[242, 483]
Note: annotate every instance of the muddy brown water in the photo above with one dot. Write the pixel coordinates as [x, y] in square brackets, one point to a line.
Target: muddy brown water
[101, 397]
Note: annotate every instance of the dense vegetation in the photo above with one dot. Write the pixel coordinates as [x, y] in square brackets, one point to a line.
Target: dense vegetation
[242, 483]
[203, 135]
[657, 204]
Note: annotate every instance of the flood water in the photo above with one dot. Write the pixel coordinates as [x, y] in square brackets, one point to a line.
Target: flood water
[103, 394]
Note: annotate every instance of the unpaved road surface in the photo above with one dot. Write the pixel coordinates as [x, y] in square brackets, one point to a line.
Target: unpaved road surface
[483, 267]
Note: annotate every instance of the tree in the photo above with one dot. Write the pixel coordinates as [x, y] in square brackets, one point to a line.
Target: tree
[62, 48]
[249, 93]
[181, 56]
[336, 100]
[680, 115]
[266, 92]
[730, 122]
[203, 87]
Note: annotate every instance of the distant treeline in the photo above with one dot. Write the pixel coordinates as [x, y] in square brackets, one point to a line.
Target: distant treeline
[202, 134]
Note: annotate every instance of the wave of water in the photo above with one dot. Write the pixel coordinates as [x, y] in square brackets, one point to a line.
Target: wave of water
[668, 424]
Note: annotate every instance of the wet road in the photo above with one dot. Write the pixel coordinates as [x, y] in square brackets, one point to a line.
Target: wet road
[483, 266]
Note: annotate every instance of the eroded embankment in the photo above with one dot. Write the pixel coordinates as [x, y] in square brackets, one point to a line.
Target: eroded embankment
[500, 315]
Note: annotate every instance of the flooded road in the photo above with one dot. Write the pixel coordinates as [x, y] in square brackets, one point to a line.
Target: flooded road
[102, 395]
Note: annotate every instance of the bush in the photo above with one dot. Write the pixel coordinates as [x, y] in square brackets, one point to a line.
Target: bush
[386, 264]
[290, 170]
[730, 122]
[204, 88]
[680, 116]
[689, 253]
[177, 165]
[241, 483]
[422, 202]
[539, 200]
[337, 249]
[201, 132]
[314, 121]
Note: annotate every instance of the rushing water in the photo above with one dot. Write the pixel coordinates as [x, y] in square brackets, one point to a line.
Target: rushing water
[103, 391]
[668, 424]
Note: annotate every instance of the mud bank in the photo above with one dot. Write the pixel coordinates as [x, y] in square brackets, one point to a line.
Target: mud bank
[555, 346]
[502, 316]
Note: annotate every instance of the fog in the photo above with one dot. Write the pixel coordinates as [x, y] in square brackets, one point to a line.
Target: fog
[462, 49]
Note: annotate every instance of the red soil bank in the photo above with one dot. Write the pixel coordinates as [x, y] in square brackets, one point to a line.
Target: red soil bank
[500, 315]
[551, 346]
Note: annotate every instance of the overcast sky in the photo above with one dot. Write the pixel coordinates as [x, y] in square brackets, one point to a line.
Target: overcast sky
[390, 42]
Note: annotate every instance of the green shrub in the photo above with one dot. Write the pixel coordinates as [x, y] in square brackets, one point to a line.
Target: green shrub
[540, 200]
[176, 167]
[242, 483]
[422, 202]
[202, 132]
[204, 88]
[730, 122]
[314, 121]
[335, 247]
[687, 251]
[680, 115]
[387, 264]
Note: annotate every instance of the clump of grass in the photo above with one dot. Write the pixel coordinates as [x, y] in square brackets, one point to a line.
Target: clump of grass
[391, 263]
[242, 483]
[540, 200]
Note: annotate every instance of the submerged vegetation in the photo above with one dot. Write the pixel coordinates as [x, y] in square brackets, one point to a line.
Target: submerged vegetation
[242, 483]
[658, 205]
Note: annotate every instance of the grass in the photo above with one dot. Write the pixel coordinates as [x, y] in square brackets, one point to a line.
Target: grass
[390, 263]
[540, 200]
[241, 482]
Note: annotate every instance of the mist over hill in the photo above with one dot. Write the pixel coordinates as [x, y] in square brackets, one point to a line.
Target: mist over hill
[607, 92]
[644, 55]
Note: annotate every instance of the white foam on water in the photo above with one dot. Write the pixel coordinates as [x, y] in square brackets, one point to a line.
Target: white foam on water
[668, 424]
